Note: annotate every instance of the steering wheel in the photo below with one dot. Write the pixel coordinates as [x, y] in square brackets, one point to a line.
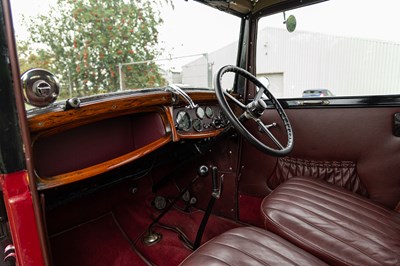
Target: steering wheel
[253, 111]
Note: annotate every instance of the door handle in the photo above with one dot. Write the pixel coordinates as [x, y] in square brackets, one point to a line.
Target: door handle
[314, 102]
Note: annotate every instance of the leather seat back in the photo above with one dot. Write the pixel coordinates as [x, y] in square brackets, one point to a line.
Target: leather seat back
[338, 226]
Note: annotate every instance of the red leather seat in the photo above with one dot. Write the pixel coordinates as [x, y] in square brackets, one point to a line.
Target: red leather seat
[249, 246]
[332, 223]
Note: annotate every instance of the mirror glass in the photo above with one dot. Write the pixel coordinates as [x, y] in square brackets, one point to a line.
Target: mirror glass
[291, 23]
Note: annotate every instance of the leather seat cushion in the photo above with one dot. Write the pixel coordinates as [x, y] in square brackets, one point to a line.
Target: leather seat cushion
[249, 246]
[332, 223]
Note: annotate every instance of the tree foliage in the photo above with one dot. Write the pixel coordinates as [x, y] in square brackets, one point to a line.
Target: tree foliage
[31, 59]
[84, 41]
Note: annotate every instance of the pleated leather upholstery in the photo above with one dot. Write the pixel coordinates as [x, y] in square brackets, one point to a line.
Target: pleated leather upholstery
[249, 246]
[336, 225]
[340, 173]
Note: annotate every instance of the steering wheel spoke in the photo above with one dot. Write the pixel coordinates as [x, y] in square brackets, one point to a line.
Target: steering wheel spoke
[236, 101]
[259, 94]
[265, 129]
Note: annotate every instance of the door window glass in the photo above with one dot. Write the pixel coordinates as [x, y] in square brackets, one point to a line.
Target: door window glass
[339, 48]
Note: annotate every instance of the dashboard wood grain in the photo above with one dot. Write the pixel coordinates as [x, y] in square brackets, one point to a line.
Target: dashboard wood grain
[94, 111]
[72, 145]
[67, 178]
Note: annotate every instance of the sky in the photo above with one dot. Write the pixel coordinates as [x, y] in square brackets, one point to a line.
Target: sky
[202, 29]
[357, 18]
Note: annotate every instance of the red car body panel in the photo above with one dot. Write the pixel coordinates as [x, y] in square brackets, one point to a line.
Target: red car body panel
[18, 201]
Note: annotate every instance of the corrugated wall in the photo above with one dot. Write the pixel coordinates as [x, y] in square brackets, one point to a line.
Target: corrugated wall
[345, 66]
[197, 72]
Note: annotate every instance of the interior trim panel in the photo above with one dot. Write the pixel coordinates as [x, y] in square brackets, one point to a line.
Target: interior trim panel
[84, 151]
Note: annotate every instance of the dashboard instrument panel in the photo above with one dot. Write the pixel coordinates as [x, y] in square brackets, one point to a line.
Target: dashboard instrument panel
[203, 119]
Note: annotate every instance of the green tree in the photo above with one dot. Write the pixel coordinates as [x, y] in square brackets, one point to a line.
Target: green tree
[32, 58]
[87, 39]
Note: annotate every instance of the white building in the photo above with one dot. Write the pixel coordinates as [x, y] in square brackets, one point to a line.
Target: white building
[303, 60]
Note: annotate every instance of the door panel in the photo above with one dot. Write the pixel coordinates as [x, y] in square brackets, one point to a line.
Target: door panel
[351, 147]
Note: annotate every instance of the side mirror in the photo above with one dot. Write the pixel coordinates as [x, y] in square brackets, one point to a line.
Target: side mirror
[290, 22]
[40, 87]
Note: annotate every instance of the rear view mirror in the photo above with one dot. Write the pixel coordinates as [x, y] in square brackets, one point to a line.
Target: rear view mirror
[290, 22]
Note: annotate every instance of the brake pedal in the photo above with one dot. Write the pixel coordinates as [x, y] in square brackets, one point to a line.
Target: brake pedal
[160, 203]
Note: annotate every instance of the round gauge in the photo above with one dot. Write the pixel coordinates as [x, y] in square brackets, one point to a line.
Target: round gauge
[223, 118]
[183, 121]
[209, 112]
[197, 125]
[200, 112]
[217, 123]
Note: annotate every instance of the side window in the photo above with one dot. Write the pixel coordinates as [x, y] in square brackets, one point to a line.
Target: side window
[350, 52]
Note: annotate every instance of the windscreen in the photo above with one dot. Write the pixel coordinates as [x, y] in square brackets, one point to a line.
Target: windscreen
[102, 46]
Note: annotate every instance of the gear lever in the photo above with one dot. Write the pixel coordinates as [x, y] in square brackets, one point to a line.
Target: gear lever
[202, 172]
[215, 194]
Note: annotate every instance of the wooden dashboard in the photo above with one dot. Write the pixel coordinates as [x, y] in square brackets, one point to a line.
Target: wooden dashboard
[72, 145]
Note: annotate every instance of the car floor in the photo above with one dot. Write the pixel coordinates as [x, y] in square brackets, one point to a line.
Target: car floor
[107, 228]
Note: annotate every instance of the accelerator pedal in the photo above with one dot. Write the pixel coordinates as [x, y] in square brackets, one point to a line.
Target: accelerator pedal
[151, 238]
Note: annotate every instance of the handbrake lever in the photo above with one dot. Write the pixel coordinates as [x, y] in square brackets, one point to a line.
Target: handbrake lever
[216, 189]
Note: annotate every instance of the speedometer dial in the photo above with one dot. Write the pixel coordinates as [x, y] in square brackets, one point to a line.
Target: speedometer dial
[209, 112]
[183, 121]
[197, 125]
[200, 112]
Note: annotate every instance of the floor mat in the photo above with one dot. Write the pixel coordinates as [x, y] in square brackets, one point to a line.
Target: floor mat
[98, 242]
[135, 217]
[115, 238]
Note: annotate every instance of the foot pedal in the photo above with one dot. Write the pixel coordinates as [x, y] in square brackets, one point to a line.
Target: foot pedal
[160, 203]
[151, 238]
[186, 196]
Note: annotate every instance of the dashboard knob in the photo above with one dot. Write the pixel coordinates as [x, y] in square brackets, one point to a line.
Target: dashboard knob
[203, 171]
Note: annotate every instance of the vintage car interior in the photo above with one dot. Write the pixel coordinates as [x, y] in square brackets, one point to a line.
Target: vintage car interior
[183, 175]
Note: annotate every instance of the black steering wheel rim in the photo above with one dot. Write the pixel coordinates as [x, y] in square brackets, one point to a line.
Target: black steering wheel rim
[284, 150]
